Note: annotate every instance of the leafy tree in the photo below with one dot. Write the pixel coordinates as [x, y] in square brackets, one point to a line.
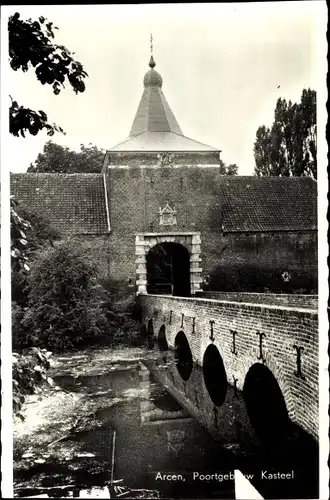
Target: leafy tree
[31, 45]
[39, 233]
[288, 148]
[65, 301]
[29, 374]
[30, 369]
[60, 159]
[18, 229]
[231, 169]
[29, 233]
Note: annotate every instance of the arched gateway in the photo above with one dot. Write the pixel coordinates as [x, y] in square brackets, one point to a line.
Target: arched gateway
[168, 270]
[168, 263]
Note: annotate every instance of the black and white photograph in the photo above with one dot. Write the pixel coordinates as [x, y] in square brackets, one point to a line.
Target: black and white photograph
[164, 251]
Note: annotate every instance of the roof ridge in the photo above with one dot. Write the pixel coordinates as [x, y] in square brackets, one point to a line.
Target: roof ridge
[162, 99]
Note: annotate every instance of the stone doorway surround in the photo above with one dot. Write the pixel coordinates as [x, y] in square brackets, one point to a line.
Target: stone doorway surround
[191, 241]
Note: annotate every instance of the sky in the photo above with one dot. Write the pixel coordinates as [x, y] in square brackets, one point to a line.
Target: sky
[223, 66]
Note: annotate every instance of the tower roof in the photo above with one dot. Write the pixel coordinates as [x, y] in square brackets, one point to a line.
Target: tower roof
[154, 114]
[155, 127]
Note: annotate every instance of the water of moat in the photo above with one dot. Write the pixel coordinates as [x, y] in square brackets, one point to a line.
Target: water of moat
[154, 428]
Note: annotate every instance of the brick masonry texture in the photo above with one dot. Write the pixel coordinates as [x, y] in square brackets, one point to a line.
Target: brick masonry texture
[288, 300]
[283, 327]
[138, 158]
[263, 222]
[226, 204]
[276, 243]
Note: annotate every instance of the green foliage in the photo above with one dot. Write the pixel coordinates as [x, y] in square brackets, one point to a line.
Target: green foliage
[29, 373]
[40, 232]
[31, 46]
[57, 300]
[120, 308]
[288, 148]
[231, 169]
[60, 159]
[22, 120]
[18, 228]
[125, 323]
[64, 300]
[19, 337]
[29, 233]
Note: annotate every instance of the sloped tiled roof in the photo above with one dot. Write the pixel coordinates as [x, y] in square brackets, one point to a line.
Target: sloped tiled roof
[75, 203]
[72, 203]
[161, 141]
[268, 203]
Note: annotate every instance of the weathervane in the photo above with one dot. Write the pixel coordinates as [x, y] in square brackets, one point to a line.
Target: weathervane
[151, 44]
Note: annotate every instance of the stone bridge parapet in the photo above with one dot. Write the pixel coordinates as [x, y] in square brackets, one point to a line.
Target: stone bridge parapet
[281, 299]
[284, 339]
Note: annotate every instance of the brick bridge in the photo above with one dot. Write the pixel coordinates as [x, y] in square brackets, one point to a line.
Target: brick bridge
[261, 349]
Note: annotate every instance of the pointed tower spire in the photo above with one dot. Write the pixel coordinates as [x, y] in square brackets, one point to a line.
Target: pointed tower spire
[155, 127]
[154, 113]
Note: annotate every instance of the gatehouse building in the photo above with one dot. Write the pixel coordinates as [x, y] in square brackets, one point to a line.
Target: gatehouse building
[160, 217]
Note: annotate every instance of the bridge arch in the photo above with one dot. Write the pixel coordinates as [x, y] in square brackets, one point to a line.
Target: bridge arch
[162, 340]
[215, 377]
[243, 364]
[183, 356]
[265, 404]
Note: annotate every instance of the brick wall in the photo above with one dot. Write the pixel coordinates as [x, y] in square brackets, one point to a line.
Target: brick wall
[256, 261]
[136, 194]
[288, 300]
[283, 327]
[133, 158]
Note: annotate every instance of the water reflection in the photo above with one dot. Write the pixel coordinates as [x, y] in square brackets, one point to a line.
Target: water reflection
[263, 444]
[180, 431]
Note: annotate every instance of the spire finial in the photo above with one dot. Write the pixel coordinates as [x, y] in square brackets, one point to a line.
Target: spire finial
[152, 63]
